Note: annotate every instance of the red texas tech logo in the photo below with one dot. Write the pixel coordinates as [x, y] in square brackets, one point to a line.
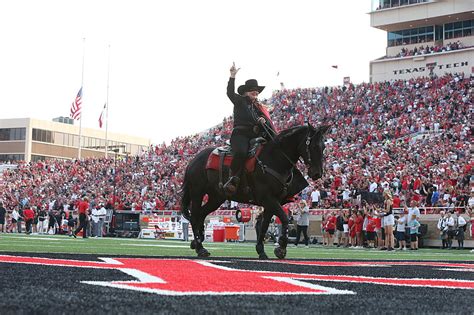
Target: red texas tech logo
[198, 277]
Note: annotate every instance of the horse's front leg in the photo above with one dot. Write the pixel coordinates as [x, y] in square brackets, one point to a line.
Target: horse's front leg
[267, 216]
[280, 251]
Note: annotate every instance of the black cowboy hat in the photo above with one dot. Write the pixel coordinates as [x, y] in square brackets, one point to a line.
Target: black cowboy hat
[250, 85]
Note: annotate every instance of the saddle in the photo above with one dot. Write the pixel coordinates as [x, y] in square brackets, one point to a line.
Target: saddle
[222, 156]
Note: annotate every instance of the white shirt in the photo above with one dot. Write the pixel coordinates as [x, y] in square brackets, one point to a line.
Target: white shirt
[401, 224]
[102, 212]
[413, 211]
[373, 187]
[441, 223]
[95, 215]
[15, 215]
[461, 221]
[345, 194]
[184, 220]
[450, 222]
[315, 196]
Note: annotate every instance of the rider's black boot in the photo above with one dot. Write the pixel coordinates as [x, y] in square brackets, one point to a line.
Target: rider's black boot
[231, 186]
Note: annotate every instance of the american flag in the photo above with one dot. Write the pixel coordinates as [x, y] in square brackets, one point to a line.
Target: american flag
[101, 116]
[76, 106]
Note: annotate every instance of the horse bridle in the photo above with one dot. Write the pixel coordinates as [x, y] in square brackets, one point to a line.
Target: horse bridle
[307, 142]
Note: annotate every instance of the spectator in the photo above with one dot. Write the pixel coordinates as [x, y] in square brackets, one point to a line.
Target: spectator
[443, 228]
[460, 229]
[451, 229]
[388, 220]
[315, 197]
[185, 228]
[3, 213]
[42, 216]
[302, 223]
[414, 225]
[15, 217]
[400, 232]
[29, 216]
[330, 228]
[340, 228]
[83, 209]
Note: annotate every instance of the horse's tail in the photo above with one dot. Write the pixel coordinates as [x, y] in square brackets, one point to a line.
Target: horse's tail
[186, 198]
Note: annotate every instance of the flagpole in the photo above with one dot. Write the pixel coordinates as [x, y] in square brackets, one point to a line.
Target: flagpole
[107, 108]
[82, 88]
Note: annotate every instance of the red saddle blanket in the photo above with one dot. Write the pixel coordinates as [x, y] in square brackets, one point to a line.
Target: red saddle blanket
[214, 159]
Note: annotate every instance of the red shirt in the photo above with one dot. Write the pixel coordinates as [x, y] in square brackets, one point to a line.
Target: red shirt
[331, 223]
[83, 207]
[371, 224]
[396, 202]
[359, 223]
[378, 223]
[28, 214]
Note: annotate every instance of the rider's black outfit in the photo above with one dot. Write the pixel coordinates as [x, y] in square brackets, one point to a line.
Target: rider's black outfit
[246, 127]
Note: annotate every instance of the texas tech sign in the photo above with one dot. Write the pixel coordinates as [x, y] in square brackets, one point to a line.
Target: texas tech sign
[198, 277]
[430, 67]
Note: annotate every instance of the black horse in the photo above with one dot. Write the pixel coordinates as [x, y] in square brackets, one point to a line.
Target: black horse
[268, 184]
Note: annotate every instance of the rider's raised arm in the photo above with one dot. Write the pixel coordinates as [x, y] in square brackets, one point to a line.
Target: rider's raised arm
[231, 90]
[231, 84]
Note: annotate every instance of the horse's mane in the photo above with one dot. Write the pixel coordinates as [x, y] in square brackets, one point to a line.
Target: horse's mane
[289, 132]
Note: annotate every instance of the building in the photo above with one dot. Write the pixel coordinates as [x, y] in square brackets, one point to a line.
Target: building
[32, 139]
[446, 27]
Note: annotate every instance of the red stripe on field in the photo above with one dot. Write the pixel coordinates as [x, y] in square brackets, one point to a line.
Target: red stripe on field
[375, 263]
[56, 262]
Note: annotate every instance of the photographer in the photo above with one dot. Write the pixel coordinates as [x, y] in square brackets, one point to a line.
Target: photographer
[450, 229]
[442, 227]
[460, 229]
[302, 223]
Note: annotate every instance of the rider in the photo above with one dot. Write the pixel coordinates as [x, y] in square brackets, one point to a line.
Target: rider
[250, 120]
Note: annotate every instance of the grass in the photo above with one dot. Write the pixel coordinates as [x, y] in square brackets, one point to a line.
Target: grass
[21, 243]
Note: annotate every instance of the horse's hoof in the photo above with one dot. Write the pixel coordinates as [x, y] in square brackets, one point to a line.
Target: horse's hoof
[193, 244]
[262, 256]
[280, 252]
[203, 253]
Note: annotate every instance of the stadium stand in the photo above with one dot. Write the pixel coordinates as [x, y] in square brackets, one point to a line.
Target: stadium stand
[410, 135]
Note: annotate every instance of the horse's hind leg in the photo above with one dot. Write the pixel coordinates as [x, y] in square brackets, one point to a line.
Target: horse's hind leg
[280, 251]
[261, 236]
[198, 224]
[195, 223]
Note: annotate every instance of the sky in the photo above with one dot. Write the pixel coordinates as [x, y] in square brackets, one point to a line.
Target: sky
[164, 65]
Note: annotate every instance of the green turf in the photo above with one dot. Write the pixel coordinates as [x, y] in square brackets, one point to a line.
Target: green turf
[145, 247]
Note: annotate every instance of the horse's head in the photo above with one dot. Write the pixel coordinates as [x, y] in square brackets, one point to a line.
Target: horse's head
[312, 150]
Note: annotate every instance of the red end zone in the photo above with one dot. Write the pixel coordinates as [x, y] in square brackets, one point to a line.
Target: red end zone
[198, 277]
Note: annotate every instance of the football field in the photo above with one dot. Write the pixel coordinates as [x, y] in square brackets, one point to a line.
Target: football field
[41, 274]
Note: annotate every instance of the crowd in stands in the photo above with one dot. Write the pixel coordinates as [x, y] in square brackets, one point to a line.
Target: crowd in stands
[412, 136]
[426, 50]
